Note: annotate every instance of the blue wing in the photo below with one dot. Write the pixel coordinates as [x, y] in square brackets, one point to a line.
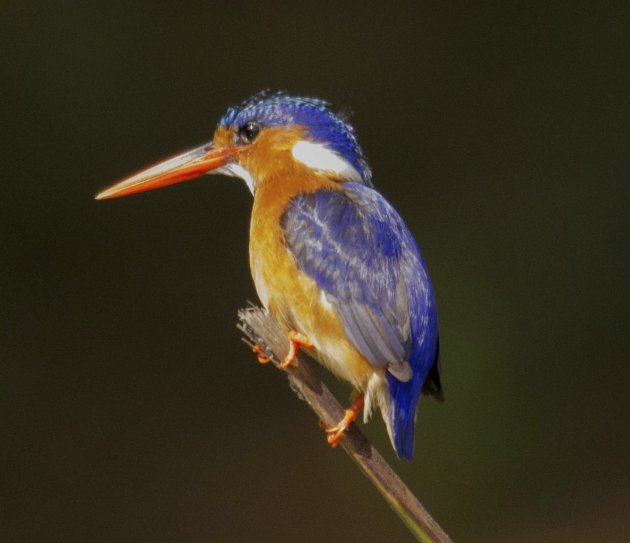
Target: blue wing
[360, 253]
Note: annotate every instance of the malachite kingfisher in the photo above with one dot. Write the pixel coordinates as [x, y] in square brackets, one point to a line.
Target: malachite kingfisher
[331, 259]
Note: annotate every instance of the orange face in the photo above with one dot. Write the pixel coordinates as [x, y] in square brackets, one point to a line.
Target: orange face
[270, 155]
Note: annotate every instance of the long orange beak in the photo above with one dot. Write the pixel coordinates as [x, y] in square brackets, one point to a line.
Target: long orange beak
[174, 170]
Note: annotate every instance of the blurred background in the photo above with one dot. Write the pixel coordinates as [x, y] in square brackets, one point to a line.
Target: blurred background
[129, 408]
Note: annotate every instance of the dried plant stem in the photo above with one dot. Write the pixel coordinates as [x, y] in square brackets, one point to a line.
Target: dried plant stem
[260, 328]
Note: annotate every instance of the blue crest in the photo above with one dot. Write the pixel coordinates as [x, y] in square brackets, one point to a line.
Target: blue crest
[323, 126]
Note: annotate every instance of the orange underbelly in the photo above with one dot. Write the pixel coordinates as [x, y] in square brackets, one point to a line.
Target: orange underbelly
[296, 301]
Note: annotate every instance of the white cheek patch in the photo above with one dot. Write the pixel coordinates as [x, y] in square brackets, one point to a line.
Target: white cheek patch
[236, 170]
[319, 157]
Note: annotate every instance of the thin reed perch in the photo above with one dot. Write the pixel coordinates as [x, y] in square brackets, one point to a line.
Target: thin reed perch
[261, 328]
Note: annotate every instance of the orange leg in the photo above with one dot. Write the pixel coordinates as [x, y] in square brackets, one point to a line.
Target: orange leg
[336, 433]
[260, 353]
[296, 340]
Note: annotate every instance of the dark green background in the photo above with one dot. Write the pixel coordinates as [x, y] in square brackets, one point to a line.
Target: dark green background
[130, 410]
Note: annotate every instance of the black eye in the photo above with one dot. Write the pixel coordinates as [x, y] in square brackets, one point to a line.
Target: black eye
[248, 132]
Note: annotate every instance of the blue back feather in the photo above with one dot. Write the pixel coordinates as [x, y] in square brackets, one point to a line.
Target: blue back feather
[359, 251]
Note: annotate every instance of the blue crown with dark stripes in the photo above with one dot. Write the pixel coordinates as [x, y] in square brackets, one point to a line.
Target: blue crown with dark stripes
[322, 125]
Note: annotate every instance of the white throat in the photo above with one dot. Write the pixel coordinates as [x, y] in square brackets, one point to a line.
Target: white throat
[236, 170]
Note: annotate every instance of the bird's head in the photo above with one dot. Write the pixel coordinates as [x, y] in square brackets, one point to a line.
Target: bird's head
[260, 138]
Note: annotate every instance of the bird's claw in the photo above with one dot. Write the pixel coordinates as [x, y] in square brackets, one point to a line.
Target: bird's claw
[296, 340]
[335, 434]
[261, 354]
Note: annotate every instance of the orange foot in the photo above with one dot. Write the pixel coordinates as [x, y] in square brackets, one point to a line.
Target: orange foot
[296, 340]
[260, 353]
[336, 433]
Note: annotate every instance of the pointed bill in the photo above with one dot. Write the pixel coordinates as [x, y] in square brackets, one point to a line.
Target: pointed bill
[180, 168]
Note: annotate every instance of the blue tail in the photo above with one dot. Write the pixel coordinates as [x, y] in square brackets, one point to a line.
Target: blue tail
[405, 398]
[402, 415]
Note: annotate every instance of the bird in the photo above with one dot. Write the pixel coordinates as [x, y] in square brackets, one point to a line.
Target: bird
[332, 261]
